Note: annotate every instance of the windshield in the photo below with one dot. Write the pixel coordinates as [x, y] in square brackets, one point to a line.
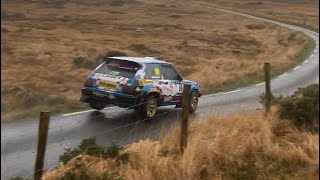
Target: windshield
[118, 67]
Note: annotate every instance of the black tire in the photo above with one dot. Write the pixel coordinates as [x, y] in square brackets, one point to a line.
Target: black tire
[97, 105]
[149, 108]
[194, 99]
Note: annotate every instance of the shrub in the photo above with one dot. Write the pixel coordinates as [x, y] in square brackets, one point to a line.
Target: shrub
[175, 16]
[78, 61]
[78, 173]
[89, 147]
[255, 26]
[302, 107]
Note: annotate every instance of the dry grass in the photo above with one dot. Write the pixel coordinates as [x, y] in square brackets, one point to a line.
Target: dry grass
[241, 146]
[303, 13]
[41, 40]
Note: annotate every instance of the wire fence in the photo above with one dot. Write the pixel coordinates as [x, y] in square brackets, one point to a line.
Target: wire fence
[13, 145]
[29, 175]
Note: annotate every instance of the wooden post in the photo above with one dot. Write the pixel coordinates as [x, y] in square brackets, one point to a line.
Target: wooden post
[268, 87]
[185, 116]
[42, 142]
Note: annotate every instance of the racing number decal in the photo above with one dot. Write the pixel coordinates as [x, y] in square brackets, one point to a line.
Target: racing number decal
[180, 88]
[156, 71]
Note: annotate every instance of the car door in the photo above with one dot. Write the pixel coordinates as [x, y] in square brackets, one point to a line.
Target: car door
[171, 87]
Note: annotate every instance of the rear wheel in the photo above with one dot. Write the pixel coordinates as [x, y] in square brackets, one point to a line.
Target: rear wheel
[149, 107]
[97, 105]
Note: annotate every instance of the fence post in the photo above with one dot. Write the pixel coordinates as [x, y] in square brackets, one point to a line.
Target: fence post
[185, 116]
[267, 78]
[42, 142]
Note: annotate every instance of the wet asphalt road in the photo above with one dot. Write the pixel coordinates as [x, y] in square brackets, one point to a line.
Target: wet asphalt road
[18, 139]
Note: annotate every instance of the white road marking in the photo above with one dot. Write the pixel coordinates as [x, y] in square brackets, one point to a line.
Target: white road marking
[259, 84]
[231, 91]
[80, 112]
[306, 61]
[296, 68]
[283, 75]
[311, 55]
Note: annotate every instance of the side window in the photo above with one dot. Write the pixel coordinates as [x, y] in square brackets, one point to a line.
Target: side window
[153, 72]
[168, 72]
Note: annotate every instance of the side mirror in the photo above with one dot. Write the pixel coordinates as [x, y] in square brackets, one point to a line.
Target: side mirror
[179, 77]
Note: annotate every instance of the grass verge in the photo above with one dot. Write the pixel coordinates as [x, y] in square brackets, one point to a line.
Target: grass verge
[256, 77]
[34, 111]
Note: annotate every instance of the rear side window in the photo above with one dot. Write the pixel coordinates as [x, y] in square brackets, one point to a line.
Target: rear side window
[117, 67]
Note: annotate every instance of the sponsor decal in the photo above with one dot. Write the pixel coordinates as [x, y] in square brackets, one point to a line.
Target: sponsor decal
[138, 89]
[168, 88]
[108, 81]
[154, 89]
[143, 82]
[114, 73]
[155, 77]
[110, 78]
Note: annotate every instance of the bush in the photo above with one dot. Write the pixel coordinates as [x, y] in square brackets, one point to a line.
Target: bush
[175, 16]
[255, 26]
[78, 61]
[78, 173]
[302, 107]
[89, 147]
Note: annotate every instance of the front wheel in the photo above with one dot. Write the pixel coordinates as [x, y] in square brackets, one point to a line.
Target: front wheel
[194, 99]
[97, 105]
[149, 107]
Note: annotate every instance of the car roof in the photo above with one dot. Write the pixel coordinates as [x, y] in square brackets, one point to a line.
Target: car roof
[140, 60]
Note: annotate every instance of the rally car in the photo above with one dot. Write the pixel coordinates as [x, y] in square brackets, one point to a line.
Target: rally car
[137, 83]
